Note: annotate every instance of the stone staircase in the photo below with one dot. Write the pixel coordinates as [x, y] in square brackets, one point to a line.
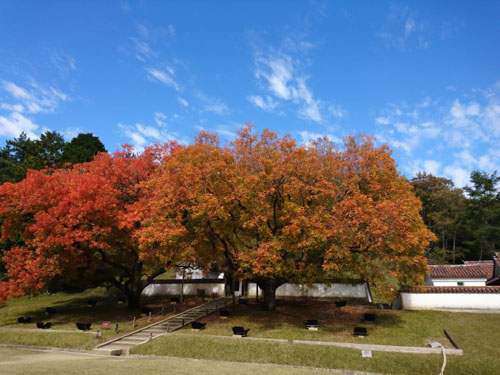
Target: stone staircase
[121, 345]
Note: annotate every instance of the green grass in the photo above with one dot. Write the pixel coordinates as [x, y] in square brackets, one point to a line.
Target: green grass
[72, 308]
[474, 332]
[393, 327]
[409, 328]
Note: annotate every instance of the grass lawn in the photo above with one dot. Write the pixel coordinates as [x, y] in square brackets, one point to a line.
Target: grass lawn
[410, 328]
[474, 332]
[14, 362]
[72, 308]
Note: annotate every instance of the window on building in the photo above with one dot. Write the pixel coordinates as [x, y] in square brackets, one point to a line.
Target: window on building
[460, 283]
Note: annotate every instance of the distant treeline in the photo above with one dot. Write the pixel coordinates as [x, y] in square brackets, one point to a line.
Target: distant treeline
[51, 150]
[466, 221]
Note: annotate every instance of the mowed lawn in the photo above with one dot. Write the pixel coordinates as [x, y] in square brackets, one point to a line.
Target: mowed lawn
[473, 332]
[72, 308]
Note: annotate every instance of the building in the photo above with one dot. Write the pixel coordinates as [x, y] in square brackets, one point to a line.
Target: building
[471, 273]
[472, 286]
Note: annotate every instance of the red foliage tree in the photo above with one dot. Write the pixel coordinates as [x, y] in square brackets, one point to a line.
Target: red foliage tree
[78, 226]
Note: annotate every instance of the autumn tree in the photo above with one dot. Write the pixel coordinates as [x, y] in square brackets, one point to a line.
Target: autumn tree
[266, 209]
[77, 226]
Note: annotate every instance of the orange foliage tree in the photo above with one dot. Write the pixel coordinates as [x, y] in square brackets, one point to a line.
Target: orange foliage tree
[79, 226]
[266, 209]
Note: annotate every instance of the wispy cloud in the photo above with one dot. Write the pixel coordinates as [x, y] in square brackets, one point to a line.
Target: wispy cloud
[403, 30]
[15, 123]
[164, 76]
[306, 137]
[211, 104]
[183, 102]
[464, 131]
[280, 73]
[64, 63]
[265, 103]
[16, 115]
[33, 99]
[142, 135]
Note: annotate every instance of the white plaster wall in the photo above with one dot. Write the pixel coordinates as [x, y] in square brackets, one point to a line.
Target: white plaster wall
[456, 301]
[454, 282]
[285, 290]
[189, 289]
[316, 290]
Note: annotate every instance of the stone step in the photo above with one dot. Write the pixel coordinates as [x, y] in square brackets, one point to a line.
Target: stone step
[121, 344]
[108, 351]
[131, 342]
[136, 338]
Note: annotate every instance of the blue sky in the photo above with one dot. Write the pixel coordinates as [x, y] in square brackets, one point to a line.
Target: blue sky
[422, 76]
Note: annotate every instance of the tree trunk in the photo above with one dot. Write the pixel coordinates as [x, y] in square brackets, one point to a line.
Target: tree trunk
[269, 287]
[182, 285]
[134, 297]
[454, 243]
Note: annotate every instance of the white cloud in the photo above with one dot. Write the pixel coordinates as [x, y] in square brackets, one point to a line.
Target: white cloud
[266, 104]
[463, 134]
[428, 166]
[160, 118]
[35, 99]
[307, 137]
[142, 135]
[403, 30]
[70, 133]
[12, 107]
[142, 51]
[281, 74]
[16, 123]
[63, 62]
[164, 76]
[183, 102]
[458, 175]
[337, 111]
[210, 104]
[30, 100]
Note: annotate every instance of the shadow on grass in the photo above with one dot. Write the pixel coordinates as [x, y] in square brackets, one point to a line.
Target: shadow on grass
[290, 314]
[73, 307]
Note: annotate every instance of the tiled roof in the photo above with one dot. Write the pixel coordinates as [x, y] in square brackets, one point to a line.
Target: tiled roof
[473, 270]
[454, 289]
[487, 265]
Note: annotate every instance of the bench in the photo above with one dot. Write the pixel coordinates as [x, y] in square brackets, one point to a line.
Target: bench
[83, 326]
[360, 332]
[312, 324]
[240, 331]
[22, 319]
[196, 326]
[42, 325]
[224, 314]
